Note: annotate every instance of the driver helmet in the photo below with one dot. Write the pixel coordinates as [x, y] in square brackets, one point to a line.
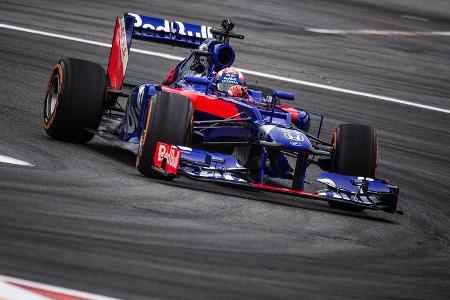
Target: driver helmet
[231, 82]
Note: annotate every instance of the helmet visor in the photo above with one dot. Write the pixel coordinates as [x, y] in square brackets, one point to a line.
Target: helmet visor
[224, 86]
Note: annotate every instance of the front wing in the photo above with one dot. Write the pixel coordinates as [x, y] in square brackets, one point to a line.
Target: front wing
[357, 192]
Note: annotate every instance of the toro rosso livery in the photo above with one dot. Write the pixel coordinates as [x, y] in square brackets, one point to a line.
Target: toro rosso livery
[205, 122]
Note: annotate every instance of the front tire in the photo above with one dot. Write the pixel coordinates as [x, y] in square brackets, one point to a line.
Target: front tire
[355, 150]
[355, 153]
[169, 120]
[74, 100]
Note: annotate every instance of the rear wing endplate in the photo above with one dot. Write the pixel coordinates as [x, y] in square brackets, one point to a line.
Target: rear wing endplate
[132, 26]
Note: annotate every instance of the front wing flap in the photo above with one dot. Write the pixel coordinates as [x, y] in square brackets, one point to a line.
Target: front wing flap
[360, 191]
[202, 165]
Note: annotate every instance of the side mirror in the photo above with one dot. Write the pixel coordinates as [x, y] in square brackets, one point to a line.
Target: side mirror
[197, 80]
[284, 95]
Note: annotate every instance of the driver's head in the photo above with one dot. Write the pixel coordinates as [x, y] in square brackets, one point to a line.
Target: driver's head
[231, 82]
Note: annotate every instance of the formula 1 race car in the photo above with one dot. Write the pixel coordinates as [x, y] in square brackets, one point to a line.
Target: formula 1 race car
[186, 125]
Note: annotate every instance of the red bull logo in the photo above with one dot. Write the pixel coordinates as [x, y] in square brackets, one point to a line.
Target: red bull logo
[168, 154]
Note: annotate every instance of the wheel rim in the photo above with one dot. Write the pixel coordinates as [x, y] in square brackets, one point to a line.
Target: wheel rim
[51, 100]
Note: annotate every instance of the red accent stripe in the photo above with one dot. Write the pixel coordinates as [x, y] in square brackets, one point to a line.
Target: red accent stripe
[292, 111]
[211, 105]
[216, 107]
[170, 77]
[47, 293]
[284, 190]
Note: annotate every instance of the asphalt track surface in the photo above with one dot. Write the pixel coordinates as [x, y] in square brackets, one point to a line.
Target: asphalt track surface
[84, 218]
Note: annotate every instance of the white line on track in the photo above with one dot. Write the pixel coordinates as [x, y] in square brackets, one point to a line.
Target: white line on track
[352, 92]
[256, 73]
[379, 32]
[13, 161]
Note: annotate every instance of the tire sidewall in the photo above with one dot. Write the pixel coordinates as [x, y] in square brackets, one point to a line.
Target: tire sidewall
[159, 123]
[357, 155]
[80, 99]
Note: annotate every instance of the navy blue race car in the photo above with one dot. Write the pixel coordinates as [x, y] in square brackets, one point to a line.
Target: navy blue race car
[205, 122]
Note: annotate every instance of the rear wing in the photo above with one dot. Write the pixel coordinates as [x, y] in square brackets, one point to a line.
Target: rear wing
[132, 26]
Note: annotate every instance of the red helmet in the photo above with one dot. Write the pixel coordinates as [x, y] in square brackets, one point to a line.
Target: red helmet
[231, 82]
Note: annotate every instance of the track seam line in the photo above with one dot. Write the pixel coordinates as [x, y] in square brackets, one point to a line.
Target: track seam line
[255, 73]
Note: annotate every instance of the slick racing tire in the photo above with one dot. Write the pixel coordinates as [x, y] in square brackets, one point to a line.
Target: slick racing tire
[74, 100]
[355, 150]
[169, 120]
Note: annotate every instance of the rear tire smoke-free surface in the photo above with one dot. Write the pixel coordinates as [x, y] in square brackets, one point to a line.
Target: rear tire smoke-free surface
[74, 100]
[169, 120]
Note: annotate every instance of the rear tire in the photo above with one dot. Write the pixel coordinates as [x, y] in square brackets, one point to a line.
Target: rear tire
[74, 100]
[355, 150]
[169, 120]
